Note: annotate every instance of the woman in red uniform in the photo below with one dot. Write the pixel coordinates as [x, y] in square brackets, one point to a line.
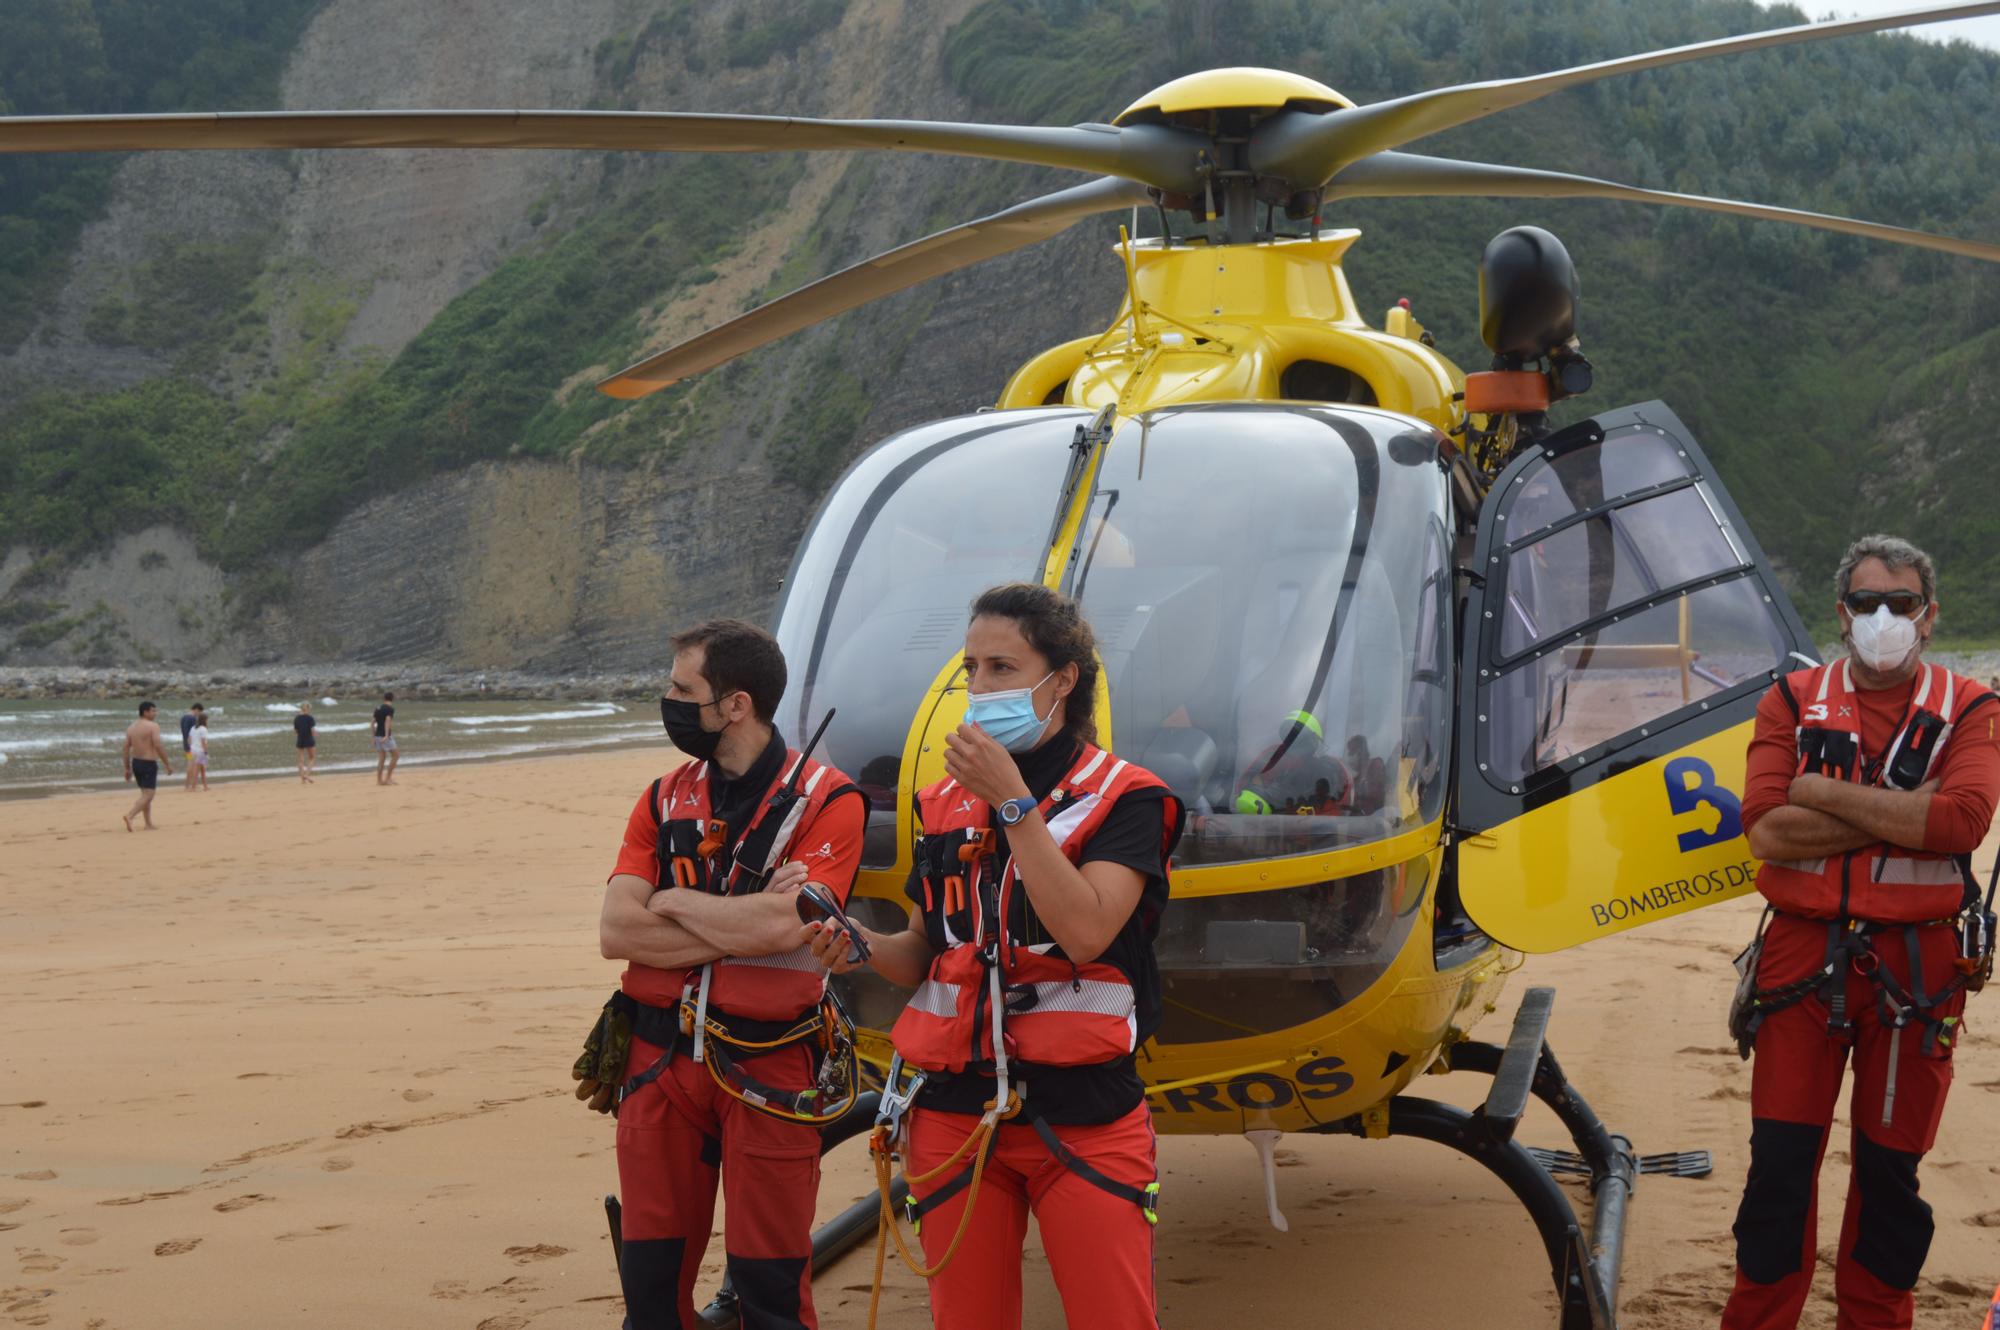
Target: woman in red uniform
[1036, 826]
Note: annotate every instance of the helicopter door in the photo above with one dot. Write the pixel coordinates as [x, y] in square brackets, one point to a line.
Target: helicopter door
[1622, 625]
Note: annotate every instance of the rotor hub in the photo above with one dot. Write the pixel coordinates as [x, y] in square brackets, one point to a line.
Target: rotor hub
[1241, 88]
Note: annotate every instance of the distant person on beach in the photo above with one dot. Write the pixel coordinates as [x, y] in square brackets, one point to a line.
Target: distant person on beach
[1869, 782]
[145, 757]
[197, 758]
[724, 940]
[302, 728]
[190, 718]
[385, 741]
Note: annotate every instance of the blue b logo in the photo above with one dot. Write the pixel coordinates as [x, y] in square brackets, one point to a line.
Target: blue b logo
[1686, 797]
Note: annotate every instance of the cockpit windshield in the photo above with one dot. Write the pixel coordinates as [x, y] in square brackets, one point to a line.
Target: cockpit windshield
[876, 602]
[1269, 587]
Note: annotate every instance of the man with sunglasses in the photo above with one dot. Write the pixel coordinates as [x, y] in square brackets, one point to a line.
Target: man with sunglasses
[713, 935]
[1870, 781]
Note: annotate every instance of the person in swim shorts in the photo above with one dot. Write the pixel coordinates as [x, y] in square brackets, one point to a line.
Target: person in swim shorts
[145, 758]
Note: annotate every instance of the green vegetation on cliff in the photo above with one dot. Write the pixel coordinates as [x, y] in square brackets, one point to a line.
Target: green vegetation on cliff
[79, 57]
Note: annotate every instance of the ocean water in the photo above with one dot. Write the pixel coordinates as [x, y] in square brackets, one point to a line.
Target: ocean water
[51, 746]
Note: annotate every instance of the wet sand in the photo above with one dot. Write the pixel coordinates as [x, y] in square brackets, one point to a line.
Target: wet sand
[300, 1058]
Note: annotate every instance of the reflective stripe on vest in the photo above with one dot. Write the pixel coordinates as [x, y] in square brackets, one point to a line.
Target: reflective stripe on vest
[1881, 883]
[1057, 1014]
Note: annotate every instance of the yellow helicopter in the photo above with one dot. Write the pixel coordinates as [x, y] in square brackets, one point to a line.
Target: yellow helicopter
[1439, 682]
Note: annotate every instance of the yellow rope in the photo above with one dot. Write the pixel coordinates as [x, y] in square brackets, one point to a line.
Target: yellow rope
[886, 1226]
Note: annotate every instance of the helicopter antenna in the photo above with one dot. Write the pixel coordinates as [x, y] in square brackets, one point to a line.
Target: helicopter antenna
[1140, 334]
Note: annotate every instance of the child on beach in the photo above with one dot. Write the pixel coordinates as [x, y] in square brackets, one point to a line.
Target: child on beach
[198, 753]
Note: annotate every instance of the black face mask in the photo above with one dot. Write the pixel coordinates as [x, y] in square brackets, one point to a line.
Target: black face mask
[683, 722]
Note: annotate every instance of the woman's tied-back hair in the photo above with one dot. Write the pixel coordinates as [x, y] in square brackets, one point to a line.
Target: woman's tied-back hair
[1056, 628]
[1895, 554]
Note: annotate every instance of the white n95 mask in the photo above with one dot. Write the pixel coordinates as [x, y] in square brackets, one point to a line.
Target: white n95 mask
[1883, 640]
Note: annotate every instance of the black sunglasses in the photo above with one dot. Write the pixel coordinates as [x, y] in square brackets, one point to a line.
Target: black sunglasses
[1865, 603]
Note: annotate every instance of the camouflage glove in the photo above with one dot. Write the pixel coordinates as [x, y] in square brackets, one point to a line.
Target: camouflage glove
[600, 1069]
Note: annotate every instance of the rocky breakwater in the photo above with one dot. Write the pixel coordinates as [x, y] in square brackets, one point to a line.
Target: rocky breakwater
[290, 682]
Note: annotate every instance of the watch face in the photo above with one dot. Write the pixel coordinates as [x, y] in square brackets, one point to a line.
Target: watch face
[1012, 812]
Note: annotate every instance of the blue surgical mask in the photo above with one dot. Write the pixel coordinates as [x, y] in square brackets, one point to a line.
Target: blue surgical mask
[1009, 718]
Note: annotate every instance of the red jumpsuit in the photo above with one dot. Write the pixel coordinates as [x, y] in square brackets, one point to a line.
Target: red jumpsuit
[1886, 1229]
[681, 1135]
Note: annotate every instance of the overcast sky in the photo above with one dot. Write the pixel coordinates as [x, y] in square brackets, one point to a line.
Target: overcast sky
[1980, 31]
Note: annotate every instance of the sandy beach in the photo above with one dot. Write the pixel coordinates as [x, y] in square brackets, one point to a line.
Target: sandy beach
[300, 1058]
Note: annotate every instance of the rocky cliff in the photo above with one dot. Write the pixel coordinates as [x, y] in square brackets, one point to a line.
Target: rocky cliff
[554, 564]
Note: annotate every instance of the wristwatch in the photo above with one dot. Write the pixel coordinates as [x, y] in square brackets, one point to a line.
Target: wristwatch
[1014, 810]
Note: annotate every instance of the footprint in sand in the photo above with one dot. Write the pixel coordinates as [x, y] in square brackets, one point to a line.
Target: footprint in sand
[417, 1096]
[176, 1246]
[35, 1262]
[451, 1290]
[429, 1072]
[242, 1202]
[1990, 1219]
[25, 1306]
[9, 1204]
[541, 1251]
[78, 1237]
[337, 1165]
[39, 1175]
[29, 1103]
[318, 1232]
[503, 1323]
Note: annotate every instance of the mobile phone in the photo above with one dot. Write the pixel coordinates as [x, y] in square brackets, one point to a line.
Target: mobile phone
[817, 903]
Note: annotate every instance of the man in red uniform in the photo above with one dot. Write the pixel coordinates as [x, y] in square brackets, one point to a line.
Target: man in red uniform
[1870, 782]
[715, 934]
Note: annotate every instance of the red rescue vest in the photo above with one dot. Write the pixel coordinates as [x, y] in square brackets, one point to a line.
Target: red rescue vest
[1058, 1014]
[764, 988]
[1881, 883]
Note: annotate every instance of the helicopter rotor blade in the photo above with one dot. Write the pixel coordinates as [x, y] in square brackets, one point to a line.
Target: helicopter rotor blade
[1309, 148]
[1407, 175]
[885, 274]
[1160, 155]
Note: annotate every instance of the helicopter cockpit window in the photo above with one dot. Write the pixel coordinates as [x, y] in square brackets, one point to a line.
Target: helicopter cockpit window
[1268, 589]
[1615, 614]
[1590, 477]
[876, 602]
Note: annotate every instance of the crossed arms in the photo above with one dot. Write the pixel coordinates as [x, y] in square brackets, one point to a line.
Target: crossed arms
[676, 927]
[1826, 817]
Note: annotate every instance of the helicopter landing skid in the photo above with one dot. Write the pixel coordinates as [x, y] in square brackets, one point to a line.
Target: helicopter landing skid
[1585, 1273]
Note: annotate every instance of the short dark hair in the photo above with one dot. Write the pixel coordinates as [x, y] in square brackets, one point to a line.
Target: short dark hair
[144, 707]
[1056, 628]
[388, 697]
[197, 707]
[738, 657]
